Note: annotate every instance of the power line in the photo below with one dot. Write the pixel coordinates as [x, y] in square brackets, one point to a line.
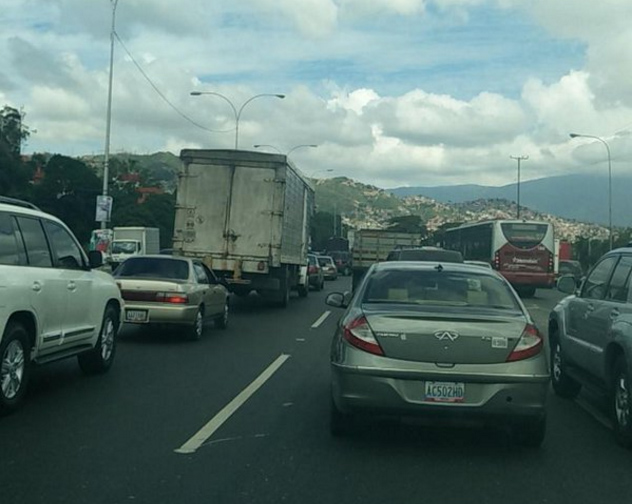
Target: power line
[161, 94]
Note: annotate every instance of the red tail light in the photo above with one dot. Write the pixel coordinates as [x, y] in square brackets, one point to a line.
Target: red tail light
[312, 270]
[172, 297]
[359, 334]
[529, 344]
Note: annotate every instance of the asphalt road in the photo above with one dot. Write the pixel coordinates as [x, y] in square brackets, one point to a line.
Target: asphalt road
[129, 436]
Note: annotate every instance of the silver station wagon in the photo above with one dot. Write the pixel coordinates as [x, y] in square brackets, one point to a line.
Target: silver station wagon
[443, 341]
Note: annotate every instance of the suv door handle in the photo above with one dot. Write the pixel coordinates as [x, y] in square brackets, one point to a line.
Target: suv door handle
[614, 314]
[36, 286]
[72, 286]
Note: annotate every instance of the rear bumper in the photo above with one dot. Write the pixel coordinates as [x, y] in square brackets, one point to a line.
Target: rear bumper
[486, 398]
[163, 313]
[539, 281]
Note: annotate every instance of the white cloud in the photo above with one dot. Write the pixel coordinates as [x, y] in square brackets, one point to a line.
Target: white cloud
[363, 80]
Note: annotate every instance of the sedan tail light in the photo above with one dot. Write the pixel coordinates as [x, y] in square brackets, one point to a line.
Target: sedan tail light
[529, 344]
[172, 297]
[359, 334]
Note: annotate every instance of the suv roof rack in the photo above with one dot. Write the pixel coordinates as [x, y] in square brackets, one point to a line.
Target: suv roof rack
[17, 202]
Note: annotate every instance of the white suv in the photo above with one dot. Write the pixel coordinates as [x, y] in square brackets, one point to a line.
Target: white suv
[53, 303]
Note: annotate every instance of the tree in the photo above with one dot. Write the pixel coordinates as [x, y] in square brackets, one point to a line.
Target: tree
[14, 176]
[68, 191]
[12, 129]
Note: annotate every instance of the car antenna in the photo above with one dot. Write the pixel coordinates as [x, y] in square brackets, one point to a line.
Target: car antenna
[439, 268]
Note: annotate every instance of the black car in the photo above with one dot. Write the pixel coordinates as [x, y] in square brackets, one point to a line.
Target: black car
[342, 259]
[434, 254]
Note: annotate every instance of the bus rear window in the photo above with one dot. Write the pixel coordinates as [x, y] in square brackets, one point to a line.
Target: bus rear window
[524, 235]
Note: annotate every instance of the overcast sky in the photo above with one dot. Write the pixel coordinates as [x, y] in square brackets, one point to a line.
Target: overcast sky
[393, 92]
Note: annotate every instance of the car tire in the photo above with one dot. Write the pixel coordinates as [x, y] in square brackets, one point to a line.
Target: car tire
[622, 403]
[531, 433]
[15, 373]
[197, 328]
[303, 291]
[563, 385]
[100, 358]
[339, 423]
[221, 322]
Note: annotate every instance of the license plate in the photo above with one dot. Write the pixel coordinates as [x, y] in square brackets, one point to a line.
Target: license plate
[445, 392]
[136, 316]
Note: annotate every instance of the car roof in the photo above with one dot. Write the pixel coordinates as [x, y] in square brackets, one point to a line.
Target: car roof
[29, 212]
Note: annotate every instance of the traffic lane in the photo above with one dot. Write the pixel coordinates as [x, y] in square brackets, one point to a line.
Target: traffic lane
[99, 439]
[277, 448]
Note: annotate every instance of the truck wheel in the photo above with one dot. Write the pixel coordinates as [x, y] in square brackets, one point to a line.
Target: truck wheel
[15, 367]
[99, 359]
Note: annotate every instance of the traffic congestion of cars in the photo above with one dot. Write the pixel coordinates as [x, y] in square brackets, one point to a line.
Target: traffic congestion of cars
[425, 334]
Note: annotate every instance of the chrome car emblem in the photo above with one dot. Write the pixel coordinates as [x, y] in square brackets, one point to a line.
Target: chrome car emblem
[446, 335]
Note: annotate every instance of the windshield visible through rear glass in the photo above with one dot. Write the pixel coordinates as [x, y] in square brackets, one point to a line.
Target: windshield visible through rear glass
[154, 268]
[439, 287]
[524, 235]
[124, 247]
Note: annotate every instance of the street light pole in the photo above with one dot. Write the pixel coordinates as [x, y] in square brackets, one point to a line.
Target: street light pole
[578, 135]
[258, 146]
[237, 113]
[108, 120]
[519, 158]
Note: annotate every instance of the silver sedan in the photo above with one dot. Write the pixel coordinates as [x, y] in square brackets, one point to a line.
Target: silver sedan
[439, 341]
[159, 289]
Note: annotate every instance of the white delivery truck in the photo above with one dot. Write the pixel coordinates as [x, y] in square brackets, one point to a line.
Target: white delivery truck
[247, 216]
[130, 241]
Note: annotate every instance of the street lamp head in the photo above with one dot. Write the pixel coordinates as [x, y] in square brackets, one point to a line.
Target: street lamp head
[281, 96]
[575, 135]
[195, 93]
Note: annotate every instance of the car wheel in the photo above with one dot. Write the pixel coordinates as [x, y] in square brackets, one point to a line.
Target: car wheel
[622, 403]
[221, 322]
[100, 358]
[303, 291]
[563, 385]
[197, 329]
[15, 367]
[339, 423]
[531, 433]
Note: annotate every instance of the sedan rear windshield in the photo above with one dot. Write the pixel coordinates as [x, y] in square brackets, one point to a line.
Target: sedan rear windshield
[151, 267]
[439, 287]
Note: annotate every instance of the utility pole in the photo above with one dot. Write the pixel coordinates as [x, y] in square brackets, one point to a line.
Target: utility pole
[519, 158]
[108, 120]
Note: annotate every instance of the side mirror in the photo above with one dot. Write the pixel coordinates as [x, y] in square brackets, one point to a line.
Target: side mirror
[337, 300]
[95, 259]
[567, 284]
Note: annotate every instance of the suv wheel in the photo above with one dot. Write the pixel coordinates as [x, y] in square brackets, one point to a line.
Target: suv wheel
[622, 403]
[14, 370]
[563, 385]
[99, 359]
